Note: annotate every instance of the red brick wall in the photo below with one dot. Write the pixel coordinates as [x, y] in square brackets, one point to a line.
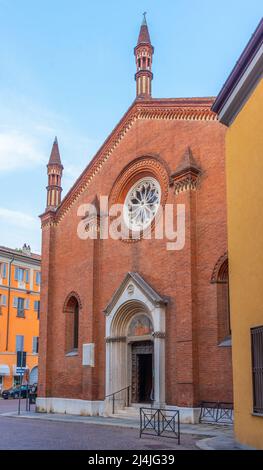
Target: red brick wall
[196, 367]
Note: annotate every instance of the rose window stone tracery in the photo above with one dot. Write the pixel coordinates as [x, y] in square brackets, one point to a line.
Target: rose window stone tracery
[142, 203]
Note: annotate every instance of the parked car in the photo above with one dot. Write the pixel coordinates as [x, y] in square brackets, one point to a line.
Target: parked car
[14, 392]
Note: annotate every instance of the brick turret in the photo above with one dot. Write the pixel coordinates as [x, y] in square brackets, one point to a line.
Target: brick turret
[143, 55]
[54, 171]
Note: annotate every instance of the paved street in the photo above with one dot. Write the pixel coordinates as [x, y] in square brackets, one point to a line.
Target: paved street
[7, 406]
[24, 433]
[59, 431]
[35, 434]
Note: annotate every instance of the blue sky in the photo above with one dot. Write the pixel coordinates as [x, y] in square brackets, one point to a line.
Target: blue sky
[67, 69]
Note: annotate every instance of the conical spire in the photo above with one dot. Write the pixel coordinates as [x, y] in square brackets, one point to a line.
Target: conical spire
[187, 173]
[55, 155]
[187, 162]
[144, 36]
[54, 171]
[143, 56]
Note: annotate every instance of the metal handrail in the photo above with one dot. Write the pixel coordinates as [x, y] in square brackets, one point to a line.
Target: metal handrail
[115, 393]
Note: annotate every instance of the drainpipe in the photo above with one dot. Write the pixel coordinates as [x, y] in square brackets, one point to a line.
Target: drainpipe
[8, 303]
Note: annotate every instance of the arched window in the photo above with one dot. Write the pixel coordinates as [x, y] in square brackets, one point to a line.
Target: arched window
[221, 279]
[71, 309]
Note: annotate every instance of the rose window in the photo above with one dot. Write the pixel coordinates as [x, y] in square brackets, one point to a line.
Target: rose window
[142, 203]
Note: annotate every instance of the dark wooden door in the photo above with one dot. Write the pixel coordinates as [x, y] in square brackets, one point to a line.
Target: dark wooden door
[142, 371]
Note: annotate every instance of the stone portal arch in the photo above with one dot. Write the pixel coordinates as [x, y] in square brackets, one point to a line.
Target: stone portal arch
[135, 324]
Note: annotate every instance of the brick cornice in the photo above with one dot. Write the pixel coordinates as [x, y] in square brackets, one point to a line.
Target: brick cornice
[189, 109]
[48, 218]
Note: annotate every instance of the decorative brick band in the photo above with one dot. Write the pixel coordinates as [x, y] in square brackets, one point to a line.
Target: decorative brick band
[179, 113]
[115, 339]
[158, 334]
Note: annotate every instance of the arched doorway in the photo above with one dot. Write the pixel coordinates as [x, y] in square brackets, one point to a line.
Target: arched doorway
[135, 342]
[33, 377]
[140, 358]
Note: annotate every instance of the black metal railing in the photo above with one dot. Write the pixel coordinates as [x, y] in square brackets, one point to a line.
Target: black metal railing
[160, 422]
[216, 412]
[126, 399]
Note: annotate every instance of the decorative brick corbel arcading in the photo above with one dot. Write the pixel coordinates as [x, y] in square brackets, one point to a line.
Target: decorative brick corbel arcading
[187, 174]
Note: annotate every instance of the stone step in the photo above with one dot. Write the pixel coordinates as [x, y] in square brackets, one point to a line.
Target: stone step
[127, 413]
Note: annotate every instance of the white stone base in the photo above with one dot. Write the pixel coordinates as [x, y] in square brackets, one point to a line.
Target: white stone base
[70, 406]
[187, 415]
[78, 407]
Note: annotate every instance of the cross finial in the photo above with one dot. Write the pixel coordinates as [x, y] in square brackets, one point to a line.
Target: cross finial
[144, 18]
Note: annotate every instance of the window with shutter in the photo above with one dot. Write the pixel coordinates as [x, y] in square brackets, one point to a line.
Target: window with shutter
[15, 302]
[21, 274]
[37, 307]
[27, 276]
[2, 302]
[38, 278]
[35, 344]
[21, 307]
[257, 368]
[16, 273]
[3, 270]
[19, 343]
[26, 304]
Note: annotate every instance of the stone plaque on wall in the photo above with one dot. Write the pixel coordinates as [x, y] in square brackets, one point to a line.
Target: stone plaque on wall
[88, 356]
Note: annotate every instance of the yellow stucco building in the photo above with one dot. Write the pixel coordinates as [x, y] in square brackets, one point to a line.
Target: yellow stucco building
[19, 313]
[240, 107]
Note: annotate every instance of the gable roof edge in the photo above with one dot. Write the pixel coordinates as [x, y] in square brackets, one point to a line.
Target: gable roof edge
[149, 292]
[175, 108]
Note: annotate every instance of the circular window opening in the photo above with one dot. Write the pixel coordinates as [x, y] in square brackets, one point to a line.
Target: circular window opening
[142, 203]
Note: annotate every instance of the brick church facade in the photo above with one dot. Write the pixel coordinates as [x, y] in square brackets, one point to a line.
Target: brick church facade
[133, 312]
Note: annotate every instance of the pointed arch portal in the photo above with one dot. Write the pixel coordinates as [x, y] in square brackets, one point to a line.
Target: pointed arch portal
[135, 341]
